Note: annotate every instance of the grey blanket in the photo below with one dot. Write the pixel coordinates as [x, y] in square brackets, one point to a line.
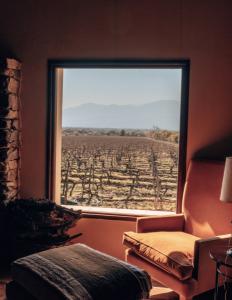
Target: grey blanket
[79, 272]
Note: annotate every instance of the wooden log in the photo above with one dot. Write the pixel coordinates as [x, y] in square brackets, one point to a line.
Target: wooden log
[12, 164]
[10, 73]
[10, 125]
[6, 166]
[9, 114]
[10, 175]
[15, 124]
[9, 195]
[10, 135]
[8, 101]
[8, 138]
[8, 185]
[6, 124]
[10, 63]
[13, 86]
[7, 154]
[8, 85]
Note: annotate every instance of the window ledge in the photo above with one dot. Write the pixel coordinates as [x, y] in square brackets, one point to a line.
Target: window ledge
[116, 213]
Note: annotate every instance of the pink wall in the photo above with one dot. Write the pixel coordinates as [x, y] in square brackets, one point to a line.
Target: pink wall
[199, 30]
[103, 235]
[35, 31]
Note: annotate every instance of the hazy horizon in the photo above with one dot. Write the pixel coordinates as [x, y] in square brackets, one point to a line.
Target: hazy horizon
[120, 86]
[116, 104]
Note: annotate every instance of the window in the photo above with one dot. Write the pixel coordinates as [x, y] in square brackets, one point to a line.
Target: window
[117, 134]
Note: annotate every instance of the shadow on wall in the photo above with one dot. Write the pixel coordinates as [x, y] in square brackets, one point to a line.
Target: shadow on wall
[6, 51]
[216, 151]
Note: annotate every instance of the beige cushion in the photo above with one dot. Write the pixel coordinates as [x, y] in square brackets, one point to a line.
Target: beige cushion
[172, 251]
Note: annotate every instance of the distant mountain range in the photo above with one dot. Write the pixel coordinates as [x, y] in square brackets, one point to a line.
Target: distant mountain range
[163, 114]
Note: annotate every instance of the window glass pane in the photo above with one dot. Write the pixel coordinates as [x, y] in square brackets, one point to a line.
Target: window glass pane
[120, 137]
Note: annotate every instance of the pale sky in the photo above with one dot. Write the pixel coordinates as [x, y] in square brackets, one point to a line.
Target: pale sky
[120, 86]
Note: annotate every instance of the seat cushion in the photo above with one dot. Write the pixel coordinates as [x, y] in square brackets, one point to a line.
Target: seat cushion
[172, 251]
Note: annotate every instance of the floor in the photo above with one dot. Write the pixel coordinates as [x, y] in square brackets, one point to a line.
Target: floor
[157, 293]
[164, 294]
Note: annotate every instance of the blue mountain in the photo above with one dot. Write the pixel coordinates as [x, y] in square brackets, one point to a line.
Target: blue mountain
[164, 114]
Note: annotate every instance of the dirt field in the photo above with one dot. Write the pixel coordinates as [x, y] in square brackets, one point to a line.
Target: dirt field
[119, 172]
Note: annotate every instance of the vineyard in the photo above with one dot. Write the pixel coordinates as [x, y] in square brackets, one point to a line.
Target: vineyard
[119, 172]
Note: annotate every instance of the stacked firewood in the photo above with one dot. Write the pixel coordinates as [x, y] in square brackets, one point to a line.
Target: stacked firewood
[35, 225]
[10, 76]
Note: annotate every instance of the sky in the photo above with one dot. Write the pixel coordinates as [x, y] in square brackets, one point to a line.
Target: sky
[120, 86]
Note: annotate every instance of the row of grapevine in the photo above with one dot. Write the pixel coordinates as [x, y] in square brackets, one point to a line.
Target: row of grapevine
[119, 172]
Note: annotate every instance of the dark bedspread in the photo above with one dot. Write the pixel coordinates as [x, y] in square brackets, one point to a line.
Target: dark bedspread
[79, 272]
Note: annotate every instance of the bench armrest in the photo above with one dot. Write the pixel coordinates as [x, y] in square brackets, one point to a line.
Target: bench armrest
[160, 223]
[204, 266]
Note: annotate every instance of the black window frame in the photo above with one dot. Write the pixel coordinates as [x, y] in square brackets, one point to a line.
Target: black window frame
[183, 64]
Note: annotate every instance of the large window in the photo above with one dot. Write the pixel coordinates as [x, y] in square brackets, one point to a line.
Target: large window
[118, 134]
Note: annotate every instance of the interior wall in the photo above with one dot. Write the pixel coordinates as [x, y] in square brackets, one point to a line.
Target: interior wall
[200, 30]
[103, 235]
[35, 31]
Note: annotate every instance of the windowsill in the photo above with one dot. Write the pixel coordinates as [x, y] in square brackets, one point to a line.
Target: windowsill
[116, 213]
